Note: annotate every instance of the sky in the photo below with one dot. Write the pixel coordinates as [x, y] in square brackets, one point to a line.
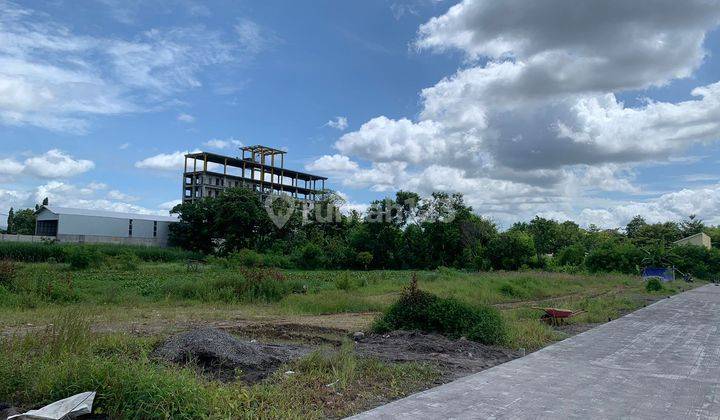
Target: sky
[592, 111]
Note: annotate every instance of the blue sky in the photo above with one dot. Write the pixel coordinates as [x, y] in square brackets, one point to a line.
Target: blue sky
[522, 114]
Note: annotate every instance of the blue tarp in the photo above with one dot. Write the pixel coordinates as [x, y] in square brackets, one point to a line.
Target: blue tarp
[666, 274]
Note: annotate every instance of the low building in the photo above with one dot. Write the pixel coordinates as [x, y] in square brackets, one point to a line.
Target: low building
[698, 239]
[99, 226]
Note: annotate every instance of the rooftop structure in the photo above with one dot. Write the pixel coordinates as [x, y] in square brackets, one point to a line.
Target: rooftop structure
[259, 168]
[698, 239]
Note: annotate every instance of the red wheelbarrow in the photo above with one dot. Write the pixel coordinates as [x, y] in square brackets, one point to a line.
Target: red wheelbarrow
[556, 316]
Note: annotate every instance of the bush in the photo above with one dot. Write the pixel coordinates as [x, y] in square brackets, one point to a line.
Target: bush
[251, 285]
[345, 282]
[653, 285]
[697, 260]
[7, 272]
[419, 310]
[510, 250]
[126, 261]
[309, 257]
[246, 258]
[364, 259]
[572, 255]
[81, 258]
[614, 256]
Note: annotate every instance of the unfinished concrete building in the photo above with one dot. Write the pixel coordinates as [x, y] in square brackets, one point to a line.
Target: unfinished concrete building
[259, 168]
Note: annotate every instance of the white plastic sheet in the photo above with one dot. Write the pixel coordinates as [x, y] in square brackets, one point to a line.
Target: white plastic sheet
[68, 408]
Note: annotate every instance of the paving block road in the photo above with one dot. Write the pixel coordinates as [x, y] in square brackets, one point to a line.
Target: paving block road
[660, 362]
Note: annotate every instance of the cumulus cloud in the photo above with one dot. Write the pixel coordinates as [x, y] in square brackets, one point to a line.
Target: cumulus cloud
[534, 110]
[52, 164]
[10, 167]
[332, 164]
[339, 123]
[69, 195]
[55, 78]
[56, 164]
[173, 161]
[580, 46]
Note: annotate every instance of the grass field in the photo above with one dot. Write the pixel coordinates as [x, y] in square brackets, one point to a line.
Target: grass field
[94, 329]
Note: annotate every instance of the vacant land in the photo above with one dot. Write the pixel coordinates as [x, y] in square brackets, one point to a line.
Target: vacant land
[66, 331]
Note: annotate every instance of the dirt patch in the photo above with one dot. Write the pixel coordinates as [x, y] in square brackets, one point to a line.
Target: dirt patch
[290, 332]
[454, 358]
[224, 356]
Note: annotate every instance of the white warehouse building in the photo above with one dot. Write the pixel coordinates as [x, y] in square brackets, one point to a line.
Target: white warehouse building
[99, 226]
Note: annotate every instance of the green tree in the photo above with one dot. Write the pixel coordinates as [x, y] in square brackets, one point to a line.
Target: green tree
[633, 228]
[691, 226]
[615, 256]
[23, 222]
[510, 250]
[10, 220]
[545, 235]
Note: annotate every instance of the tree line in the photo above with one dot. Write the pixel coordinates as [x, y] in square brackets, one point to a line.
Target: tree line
[391, 235]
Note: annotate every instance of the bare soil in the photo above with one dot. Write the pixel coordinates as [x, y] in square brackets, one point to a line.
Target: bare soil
[262, 348]
[454, 358]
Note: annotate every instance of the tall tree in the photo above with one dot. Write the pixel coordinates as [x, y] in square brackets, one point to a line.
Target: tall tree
[692, 225]
[11, 221]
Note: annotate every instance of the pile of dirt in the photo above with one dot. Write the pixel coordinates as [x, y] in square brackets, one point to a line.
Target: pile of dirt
[223, 356]
[455, 358]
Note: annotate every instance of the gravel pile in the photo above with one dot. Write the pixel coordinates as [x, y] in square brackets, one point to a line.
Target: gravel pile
[224, 356]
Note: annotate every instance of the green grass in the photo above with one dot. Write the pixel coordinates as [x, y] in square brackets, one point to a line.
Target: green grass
[42, 365]
[67, 358]
[45, 252]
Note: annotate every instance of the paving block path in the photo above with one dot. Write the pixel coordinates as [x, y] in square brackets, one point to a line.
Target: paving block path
[660, 362]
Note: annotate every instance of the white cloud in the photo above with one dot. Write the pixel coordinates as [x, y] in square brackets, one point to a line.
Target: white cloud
[120, 196]
[333, 163]
[55, 78]
[339, 123]
[165, 161]
[56, 164]
[168, 205]
[186, 118]
[531, 123]
[223, 144]
[10, 167]
[124, 146]
[254, 38]
[69, 195]
[580, 46]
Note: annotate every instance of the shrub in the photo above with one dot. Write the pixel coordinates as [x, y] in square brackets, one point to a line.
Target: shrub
[364, 259]
[509, 290]
[419, 310]
[653, 285]
[616, 256]
[81, 258]
[697, 260]
[572, 255]
[7, 272]
[126, 261]
[309, 257]
[510, 250]
[345, 282]
[246, 258]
